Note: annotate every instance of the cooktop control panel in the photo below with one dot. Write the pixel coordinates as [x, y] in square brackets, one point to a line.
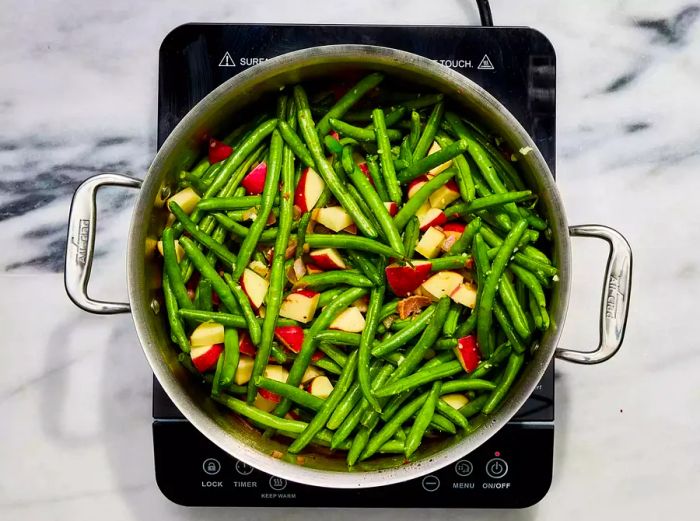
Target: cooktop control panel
[512, 470]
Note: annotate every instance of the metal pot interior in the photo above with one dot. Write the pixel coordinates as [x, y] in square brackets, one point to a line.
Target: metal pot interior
[229, 106]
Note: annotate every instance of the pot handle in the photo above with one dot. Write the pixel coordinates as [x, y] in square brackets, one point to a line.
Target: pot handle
[615, 302]
[81, 243]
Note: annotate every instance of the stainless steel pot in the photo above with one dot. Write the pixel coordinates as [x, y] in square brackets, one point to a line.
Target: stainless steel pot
[218, 112]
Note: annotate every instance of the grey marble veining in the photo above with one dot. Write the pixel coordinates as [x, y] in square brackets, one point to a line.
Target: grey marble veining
[78, 97]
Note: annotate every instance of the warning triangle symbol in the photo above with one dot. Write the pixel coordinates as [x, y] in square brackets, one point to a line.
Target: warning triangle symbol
[485, 63]
[227, 61]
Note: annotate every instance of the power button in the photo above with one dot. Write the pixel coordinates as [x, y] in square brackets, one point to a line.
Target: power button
[496, 468]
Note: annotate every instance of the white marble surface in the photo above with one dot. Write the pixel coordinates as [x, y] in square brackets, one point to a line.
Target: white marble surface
[78, 96]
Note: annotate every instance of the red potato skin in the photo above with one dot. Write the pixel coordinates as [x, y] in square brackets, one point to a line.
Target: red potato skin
[307, 293]
[323, 262]
[269, 395]
[403, 280]
[299, 195]
[218, 151]
[468, 353]
[438, 221]
[418, 180]
[313, 268]
[208, 360]
[454, 227]
[365, 170]
[245, 344]
[292, 337]
[254, 182]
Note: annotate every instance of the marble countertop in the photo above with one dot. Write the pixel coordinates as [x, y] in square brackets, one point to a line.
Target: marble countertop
[78, 97]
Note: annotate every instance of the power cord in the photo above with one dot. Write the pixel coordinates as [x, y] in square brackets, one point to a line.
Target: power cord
[485, 13]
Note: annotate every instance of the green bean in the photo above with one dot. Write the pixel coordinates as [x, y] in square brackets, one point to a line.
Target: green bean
[353, 419]
[333, 145]
[351, 242]
[482, 159]
[507, 327]
[322, 416]
[423, 418]
[465, 240]
[535, 311]
[231, 356]
[205, 295]
[430, 334]
[464, 171]
[269, 192]
[327, 296]
[399, 339]
[414, 134]
[451, 262]
[360, 200]
[226, 319]
[216, 381]
[351, 398]
[506, 290]
[295, 394]
[421, 166]
[229, 203]
[259, 416]
[296, 144]
[536, 290]
[486, 202]
[331, 278]
[442, 424]
[301, 233]
[473, 406]
[410, 236]
[467, 384]
[377, 179]
[367, 339]
[359, 133]
[308, 347]
[515, 362]
[468, 325]
[221, 251]
[277, 272]
[209, 272]
[239, 155]
[327, 365]
[325, 170]
[447, 343]
[177, 284]
[385, 156]
[346, 102]
[423, 101]
[333, 353]
[390, 428]
[485, 366]
[421, 196]
[241, 231]
[405, 154]
[177, 330]
[429, 131]
[376, 205]
[421, 377]
[359, 443]
[366, 266]
[488, 293]
[452, 414]
[400, 164]
[450, 326]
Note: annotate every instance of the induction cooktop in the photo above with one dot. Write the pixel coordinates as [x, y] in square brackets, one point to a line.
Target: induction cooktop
[514, 468]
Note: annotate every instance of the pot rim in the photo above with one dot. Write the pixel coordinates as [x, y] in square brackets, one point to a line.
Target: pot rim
[239, 449]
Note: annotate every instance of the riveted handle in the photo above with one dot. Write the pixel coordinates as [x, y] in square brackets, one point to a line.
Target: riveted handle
[81, 243]
[616, 294]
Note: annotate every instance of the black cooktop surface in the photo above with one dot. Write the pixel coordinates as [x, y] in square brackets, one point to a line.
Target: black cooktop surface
[517, 66]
